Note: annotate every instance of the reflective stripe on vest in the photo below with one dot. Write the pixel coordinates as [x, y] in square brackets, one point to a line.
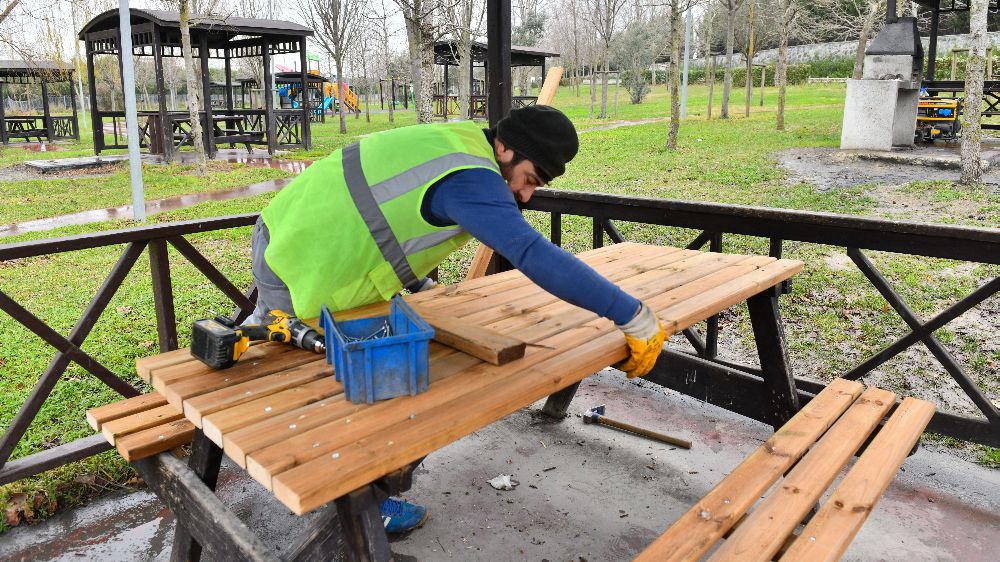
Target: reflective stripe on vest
[402, 183]
[377, 224]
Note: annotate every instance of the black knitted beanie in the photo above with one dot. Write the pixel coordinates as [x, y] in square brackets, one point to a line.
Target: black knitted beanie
[543, 135]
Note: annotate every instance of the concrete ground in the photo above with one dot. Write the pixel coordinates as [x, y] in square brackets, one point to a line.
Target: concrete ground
[585, 493]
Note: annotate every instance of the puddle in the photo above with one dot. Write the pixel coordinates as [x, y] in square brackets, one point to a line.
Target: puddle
[41, 147]
[156, 206]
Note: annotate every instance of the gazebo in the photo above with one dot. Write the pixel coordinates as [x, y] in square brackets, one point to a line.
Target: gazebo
[446, 54]
[30, 125]
[956, 88]
[156, 33]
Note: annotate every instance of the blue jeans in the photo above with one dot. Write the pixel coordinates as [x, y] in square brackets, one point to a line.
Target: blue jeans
[272, 293]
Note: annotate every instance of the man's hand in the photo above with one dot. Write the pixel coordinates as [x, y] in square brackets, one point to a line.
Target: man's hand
[645, 336]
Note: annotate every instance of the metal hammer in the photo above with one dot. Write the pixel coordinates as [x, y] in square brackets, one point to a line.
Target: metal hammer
[596, 415]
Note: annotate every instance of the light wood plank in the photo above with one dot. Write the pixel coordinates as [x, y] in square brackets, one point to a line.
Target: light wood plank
[285, 357]
[144, 365]
[154, 440]
[692, 310]
[97, 417]
[323, 391]
[834, 526]
[763, 534]
[694, 533]
[163, 377]
[115, 429]
[489, 345]
[227, 397]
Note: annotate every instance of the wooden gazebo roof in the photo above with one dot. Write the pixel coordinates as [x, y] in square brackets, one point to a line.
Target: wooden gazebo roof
[221, 29]
[445, 53]
[34, 71]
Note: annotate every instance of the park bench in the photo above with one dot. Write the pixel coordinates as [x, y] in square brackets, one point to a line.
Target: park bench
[810, 451]
[278, 413]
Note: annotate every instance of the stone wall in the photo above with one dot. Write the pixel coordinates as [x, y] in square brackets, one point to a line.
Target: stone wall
[846, 49]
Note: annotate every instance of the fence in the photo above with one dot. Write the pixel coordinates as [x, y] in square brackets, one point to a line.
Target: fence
[701, 374]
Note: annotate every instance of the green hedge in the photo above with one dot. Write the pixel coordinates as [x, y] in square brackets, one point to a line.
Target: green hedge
[797, 74]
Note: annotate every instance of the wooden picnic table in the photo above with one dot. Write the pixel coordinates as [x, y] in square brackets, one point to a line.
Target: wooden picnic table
[280, 415]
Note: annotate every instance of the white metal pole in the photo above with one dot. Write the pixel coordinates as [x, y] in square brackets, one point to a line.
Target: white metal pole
[688, 24]
[131, 120]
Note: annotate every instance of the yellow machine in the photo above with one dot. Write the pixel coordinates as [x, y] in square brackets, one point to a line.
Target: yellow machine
[938, 118]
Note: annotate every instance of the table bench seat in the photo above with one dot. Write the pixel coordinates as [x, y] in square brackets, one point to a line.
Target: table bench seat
[806, 455]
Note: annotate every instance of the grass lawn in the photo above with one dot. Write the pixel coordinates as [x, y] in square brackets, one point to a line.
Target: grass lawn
[834, 318]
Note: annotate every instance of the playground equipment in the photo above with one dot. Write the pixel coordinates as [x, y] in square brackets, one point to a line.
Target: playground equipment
[350, 96]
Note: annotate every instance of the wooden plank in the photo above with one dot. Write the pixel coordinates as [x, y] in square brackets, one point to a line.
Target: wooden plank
[694, 533]
[144, 365]
[550, 86]
[489, 345]
[285, 357]
[512, 292]
[97, 417]
[480, 261]
[690, 311]
[163, 377]
[291, 401]
[199, 406]
[157, 439]
[115, 429]
[834, 526]
[764, 532]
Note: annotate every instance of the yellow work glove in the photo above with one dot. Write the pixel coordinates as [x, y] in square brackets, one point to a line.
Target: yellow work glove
[645, 336]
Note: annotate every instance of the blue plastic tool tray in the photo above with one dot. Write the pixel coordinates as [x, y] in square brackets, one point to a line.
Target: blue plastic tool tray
[373, 365]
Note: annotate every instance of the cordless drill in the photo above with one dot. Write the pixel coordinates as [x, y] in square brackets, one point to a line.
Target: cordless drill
[219, 342]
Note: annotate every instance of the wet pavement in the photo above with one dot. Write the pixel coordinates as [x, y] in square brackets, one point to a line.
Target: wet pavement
[171, 203]
[155, 206]
[586, 492]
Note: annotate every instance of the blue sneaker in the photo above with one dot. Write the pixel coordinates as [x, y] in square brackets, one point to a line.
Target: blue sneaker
[400, 516]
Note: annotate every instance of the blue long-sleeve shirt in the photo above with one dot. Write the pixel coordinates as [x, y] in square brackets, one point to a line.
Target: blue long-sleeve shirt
[480, 201]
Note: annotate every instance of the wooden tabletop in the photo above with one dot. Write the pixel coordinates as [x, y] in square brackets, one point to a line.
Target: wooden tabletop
[280, 414]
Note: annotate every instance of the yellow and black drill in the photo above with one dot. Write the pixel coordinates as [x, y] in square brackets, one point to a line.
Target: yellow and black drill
[219, 342]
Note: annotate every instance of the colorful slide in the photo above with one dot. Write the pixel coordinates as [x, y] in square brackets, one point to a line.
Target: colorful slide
[350, 97]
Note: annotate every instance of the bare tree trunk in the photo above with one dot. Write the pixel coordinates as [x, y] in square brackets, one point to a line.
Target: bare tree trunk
[866, 30]
[972, 164]
[425, 108]
[194, 90]
[413, 42]
[593, 88]
[675, 74]
[781, 67]
[727, 76]
[749, 81]
[604, 87]
[465, 80]
[342, 103]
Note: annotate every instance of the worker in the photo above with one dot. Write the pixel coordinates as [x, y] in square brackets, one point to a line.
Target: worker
[377, 216]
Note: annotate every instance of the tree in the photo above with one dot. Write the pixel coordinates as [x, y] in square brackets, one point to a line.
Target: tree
[972, 164]
[604, 16]
[336, 24]
[421, 18]
[465, 19]
[383, 38]
[635, 51]
[675, 8]
[731, 7]
[194, 92]
[527, 34]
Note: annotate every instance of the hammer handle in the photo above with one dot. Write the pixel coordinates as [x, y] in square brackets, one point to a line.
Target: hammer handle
[644, 432]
